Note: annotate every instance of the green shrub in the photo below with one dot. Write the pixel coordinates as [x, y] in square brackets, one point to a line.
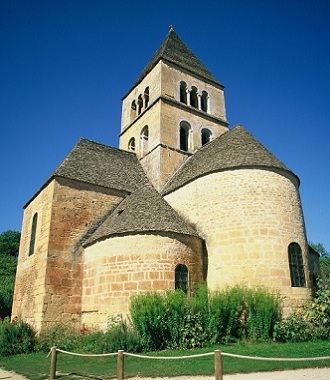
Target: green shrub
[294, 329]
[310, 323]
[158, 319]
[120, 336]
[173, 320]
[264, 312]
[16, 337]
[64, 336]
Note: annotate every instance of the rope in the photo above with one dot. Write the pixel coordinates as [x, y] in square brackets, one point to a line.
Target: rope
[199, 356]
[275, 359]
[168, 357]
[88, 355]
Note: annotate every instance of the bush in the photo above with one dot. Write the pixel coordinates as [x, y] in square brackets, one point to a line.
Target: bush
[119, 336]
[158, 319]
[310, 323]
[65, 336]
[172, 320]
[16, 337]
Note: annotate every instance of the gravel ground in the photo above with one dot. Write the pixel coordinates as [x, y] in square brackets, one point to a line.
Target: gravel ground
[298, 374]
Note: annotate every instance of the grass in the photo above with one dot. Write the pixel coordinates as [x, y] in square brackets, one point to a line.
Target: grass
[36, 366]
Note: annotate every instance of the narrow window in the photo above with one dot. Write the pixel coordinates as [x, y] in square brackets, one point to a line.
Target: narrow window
[33, 234]
[146, 97]
[183, 92]
[193, 97]
[206, 136]
[131, 144]
[144, 140]
[140, 104]
[133, 110]
[204, 101]
[296, 266]
[184, 135]
[181, 278]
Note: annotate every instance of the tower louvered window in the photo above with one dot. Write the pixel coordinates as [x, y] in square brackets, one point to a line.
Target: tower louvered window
[296, 266]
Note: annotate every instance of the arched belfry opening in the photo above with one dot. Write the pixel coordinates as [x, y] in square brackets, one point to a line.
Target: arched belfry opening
[146, 97]
[144, 140]
[204, 101]
[183, 92]
[206, 136]
[133, 110]
[194, 97]
[184, 136]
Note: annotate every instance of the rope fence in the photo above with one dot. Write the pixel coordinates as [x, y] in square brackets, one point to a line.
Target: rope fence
[218, 367]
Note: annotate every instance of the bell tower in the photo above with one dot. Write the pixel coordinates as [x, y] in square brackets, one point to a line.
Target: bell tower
[174, 108]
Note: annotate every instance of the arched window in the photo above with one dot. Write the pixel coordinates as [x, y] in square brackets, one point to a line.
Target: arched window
[296, 264]
[193, 97]
[204, 101]
[184, 136]
[33, 234]
[183, 92]
[144, 140]
[181, 278]
[131, 144]
[146, 97]
[133, 110]
[206, 136]
[140, 104]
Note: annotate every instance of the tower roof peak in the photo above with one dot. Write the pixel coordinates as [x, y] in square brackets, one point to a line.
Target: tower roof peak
[175, 51]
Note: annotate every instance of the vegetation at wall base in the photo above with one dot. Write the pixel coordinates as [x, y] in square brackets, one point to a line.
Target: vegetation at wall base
[16, 337]
[236, 320]
[172, 320]
[312, 322]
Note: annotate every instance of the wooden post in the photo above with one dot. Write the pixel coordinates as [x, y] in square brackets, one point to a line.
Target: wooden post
[218, 365]
[120, 365]
[53, 359]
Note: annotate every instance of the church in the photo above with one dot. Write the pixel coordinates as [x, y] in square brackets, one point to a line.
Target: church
[184, 200]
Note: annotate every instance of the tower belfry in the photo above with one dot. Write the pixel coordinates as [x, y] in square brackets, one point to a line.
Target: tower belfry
[174, 108]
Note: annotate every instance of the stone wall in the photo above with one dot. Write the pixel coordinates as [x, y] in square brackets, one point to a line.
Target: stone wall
[121, 267]
[248, 218]
[30, 284]
[48, 284]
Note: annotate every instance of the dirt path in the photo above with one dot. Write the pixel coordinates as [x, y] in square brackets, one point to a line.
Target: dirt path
[297, 374]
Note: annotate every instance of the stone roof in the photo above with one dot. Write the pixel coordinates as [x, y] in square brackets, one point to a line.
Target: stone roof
[174, 50]
[102, 165]
[145, 210]
[234, 149]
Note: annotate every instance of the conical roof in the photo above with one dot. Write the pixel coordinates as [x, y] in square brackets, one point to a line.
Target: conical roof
[102, 165]
[234, 149]
[143, 211]
[174, 50]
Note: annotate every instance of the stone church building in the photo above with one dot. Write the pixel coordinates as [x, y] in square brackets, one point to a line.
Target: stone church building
[184, 200]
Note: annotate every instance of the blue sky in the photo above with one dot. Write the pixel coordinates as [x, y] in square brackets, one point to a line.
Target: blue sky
[65, 65]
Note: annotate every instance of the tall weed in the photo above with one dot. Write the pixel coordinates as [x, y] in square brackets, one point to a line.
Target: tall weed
[16, 337]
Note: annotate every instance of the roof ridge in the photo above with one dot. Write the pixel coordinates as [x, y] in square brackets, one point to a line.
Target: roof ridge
[237, 148]
[145, 210]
